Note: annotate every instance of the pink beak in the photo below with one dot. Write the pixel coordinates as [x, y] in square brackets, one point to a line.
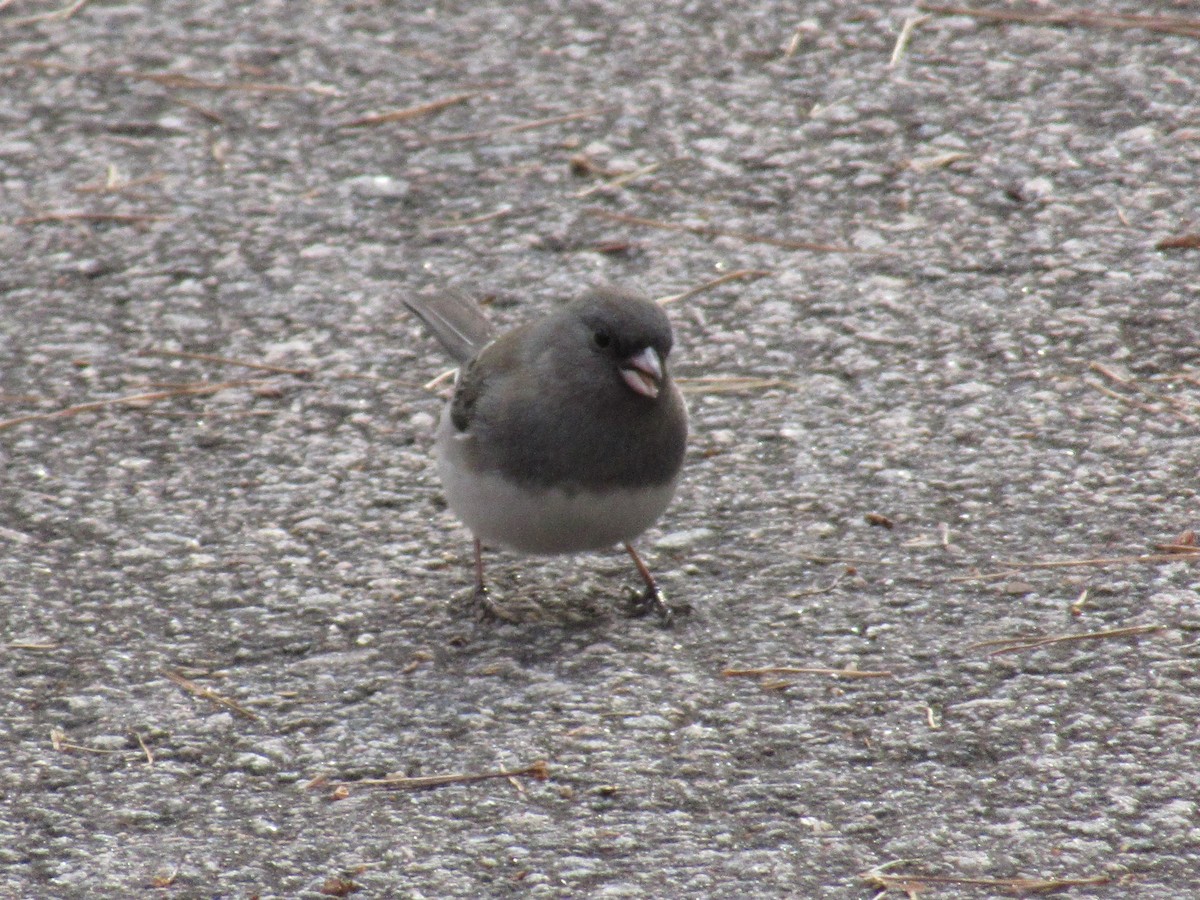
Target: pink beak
[643, 372]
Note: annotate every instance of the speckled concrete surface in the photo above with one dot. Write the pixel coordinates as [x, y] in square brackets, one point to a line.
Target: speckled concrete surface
[1004, 370]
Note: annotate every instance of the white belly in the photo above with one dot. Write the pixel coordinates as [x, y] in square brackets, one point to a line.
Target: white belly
[543, 520]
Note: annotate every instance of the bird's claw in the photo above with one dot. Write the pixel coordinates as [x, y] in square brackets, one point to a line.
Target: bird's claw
[488, 609]
[652, 600]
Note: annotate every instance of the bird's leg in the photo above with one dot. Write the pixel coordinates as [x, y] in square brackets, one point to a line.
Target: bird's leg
[480, 587]
[652, 600]
[488, 608]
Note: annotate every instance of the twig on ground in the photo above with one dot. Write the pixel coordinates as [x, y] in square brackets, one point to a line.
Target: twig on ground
[1161, 24]
[1016, 645]
[202, 111]
[906, 30]
[1189, 241]
[472, 220]
[58, 14]
[190, 390]
[924, 164]
[112, 183]
[513, 129]
[814, 591]
[165, 879]
[209, 694]
[803, 670]
[1076, 607]
[1184, 375]
[537, 770]
[726, 384]
[145, 749]
[712, 231]
[228, 361]
[1116, 395]
[849, 560]
[979, 576]
[409, 112]
[740, 274]
[119, 218]
[433, 384]
[617, 181]
[912, 884]
[1102, 561]
[1174, 404]
[175, 79]
[795, 41]
[59, 742]
[1179, 555]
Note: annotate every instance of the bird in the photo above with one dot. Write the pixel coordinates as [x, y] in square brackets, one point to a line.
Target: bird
[563, 435]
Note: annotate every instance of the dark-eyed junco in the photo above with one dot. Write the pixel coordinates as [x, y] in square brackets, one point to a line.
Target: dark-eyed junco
[563, 435]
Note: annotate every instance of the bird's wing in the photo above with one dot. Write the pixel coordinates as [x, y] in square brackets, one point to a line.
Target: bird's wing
[455, 320]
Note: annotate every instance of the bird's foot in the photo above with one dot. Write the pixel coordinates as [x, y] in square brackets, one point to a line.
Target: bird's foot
[652, 600]
[488, 610]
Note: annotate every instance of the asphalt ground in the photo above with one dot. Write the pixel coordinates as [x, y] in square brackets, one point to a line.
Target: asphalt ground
[944, 376]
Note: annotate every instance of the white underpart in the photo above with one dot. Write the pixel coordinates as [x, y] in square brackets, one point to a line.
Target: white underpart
[541, 520]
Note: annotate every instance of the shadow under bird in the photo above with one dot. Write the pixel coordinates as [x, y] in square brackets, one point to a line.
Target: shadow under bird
[565, 434]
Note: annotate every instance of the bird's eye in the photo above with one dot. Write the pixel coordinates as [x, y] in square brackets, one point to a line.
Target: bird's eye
[601, 339]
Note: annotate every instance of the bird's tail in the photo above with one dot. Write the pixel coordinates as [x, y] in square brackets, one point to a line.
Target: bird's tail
[455, 320]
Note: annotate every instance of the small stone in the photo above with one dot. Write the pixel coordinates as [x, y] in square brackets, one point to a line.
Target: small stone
[422, 421]
[254, 763]
[379, 187]
[678, 540]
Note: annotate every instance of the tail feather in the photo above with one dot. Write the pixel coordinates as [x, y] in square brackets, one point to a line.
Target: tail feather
[455, 320]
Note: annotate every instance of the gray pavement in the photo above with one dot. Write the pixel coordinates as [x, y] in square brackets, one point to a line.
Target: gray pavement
[1005, 370]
